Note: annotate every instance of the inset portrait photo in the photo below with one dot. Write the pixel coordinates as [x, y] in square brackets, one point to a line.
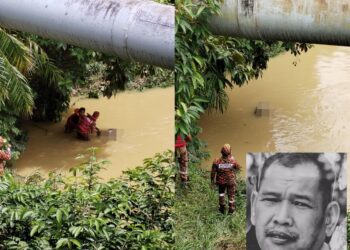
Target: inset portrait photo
[296, 201]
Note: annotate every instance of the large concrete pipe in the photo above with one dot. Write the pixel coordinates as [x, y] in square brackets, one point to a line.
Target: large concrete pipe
[314, 21]
[140, 30]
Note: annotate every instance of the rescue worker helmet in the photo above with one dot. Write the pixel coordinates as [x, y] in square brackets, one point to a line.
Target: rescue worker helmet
[226, 150]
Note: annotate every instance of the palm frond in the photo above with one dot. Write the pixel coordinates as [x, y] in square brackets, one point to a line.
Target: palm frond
[44, 67]
[16, 52]
[14, 89]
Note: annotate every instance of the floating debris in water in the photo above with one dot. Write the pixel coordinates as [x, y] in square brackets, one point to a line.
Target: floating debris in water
[110, 133]
[263, 109]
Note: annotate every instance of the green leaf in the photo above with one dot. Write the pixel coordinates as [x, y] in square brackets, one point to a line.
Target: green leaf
[76, 242]
[34, 230]
[61, 243]
[59, 216]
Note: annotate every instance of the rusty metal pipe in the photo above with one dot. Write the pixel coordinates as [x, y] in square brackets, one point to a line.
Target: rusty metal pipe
[313, 21]
[139, 30]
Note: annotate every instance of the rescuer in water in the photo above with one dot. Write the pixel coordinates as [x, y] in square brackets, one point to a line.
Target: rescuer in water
[83, 128]
[223, 175]
[93, 118]
[72, 122]
[87, 125]
[182, 157]
[5, 154]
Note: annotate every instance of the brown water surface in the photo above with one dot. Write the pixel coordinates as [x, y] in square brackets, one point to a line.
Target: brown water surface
[310, 103]
[144, 123]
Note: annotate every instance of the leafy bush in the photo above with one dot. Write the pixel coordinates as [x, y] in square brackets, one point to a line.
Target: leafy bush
[9, 127]
[81, 212]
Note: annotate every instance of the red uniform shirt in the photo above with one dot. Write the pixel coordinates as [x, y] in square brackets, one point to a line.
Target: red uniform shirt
[72, 121]
[180, 142]
[223, 170]
[84, 126]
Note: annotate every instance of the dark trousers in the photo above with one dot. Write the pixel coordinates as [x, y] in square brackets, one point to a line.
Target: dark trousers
[230, 190]
[182, 157]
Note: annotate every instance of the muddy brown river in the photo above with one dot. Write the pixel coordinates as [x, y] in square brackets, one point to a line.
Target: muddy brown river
[144, 123]
[310, 108]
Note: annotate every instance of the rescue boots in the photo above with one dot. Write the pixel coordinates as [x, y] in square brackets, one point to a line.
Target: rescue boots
[222, 209]
[184, 184]
[231, 210]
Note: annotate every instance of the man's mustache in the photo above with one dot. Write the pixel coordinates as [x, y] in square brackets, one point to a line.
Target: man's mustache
[282, 233]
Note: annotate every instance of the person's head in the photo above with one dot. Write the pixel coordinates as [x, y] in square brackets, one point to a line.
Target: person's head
[292, 206]
[82, 111]
[96, 114]
[226, 150]
[76, 111]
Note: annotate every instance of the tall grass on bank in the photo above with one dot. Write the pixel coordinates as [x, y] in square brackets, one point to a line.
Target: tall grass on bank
[199, 225]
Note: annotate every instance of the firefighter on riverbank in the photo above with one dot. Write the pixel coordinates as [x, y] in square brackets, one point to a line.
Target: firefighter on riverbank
[223, 175]
[182, 157]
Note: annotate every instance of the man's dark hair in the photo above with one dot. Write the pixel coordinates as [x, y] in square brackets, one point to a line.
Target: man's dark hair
[290, 160]
[82, 109]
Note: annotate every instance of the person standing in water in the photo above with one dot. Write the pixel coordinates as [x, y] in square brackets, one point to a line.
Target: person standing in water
[93, 118]
[72, 122]
[83, 128]
[223, 175]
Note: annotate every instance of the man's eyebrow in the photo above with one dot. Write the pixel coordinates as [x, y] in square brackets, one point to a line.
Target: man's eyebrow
[270, 193]
[302, 197]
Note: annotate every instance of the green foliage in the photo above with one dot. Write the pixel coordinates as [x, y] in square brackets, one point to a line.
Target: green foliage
[52, 93]
[81, 212]
[16, 60]
[81, 66]
[25, 75]
[9, 130]
[199, 225]
[207, 65]
[28, 78]
[70, 59]
[150, 77]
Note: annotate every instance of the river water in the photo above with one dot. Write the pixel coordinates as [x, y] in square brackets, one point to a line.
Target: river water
[310, 108]
[144, 123]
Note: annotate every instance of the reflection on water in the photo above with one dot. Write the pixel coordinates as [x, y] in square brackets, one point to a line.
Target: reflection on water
[310, 105]
[144, 123]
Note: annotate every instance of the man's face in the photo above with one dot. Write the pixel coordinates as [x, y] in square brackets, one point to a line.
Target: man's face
[287, 211]
[1, 141]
